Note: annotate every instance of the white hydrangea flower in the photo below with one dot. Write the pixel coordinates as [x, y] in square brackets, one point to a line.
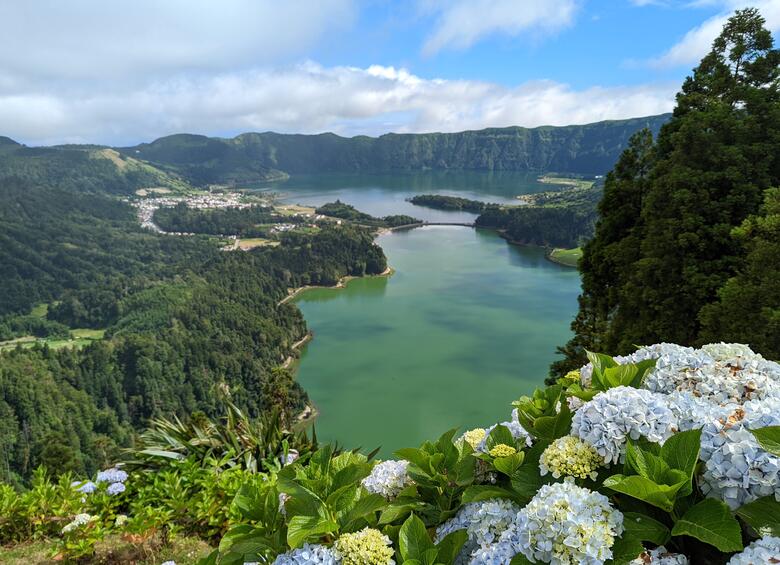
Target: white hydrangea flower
[761, 551]
[309, 554]
[78, 521]
[484, 523]
[514, 426]
[566, 524]
[387, 478]
[660, 556]
[728, 351]
[614, 416]
[737, 470]
[570, 456]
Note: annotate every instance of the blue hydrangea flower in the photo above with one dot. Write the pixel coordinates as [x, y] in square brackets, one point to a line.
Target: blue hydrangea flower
[309, 554]
[614, 416]
[112, 475]
[764, 550]
[115, 488]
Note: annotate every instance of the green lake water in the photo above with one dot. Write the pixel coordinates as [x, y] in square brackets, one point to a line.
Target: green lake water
[466, 324]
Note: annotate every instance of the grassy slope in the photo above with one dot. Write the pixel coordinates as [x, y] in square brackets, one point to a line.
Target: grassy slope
[567, 257]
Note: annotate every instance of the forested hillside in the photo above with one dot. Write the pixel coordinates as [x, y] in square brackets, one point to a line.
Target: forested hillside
[587, 149]
[180, 318]
[684, 246]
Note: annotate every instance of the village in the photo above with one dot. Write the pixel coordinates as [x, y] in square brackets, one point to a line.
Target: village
[147, 206]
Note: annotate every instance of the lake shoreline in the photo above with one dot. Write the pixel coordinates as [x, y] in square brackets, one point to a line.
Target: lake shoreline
[342, 282]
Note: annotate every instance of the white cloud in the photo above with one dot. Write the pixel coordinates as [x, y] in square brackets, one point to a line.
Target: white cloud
[310, 98]
[91, 39]
[698, 41]
[461, 23]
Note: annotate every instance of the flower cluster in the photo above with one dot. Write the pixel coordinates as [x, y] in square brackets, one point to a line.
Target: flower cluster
[387, 478]
[737, 470]
[78, 521]
[87, 487]
[366, 547]
[484, 523]
[112, 475]
[474, 437]
[566, 524]
[614, 416]
[764, 550]
[502, 450]
[570, 456]
[309, 555]
[660, 556]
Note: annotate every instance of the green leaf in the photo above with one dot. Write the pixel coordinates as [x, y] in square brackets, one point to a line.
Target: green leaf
[645, 528]
[763, 515]
[413, 539]
[302, 527]
[475, 493]
[363, 507]
[508, 465]
[247, 502]
[625, 550]
[711, 521]
[500, 434]
[551, 428]
[681, 452]
[768, 438]
[644, 489]
[450, 546]
[520, 559]
[416, 457]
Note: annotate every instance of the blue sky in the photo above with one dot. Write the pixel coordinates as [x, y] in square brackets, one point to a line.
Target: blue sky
[91, 70]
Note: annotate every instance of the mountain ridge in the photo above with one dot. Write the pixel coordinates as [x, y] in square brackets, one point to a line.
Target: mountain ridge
[582, 149]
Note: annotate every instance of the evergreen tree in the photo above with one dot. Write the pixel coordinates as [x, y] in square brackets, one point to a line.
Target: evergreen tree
[607, 258]
[748, 308]
[646, 280]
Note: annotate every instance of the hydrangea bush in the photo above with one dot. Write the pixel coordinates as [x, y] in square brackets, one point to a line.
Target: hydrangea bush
[670, 455]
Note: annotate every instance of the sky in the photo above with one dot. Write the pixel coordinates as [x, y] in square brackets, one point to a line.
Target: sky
[120, 73]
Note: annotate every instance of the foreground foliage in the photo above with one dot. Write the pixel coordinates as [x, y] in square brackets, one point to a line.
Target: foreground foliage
[663, 456]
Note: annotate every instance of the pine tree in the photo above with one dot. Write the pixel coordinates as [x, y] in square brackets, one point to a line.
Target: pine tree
[646, 280]
[607, 257]
[748, 308]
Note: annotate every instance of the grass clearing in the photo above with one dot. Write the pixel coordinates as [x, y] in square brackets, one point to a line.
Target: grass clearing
[293, 209]
[252, 242]
[567, 182]
[79, 338]
[40, 310]
[113, 550]
[567, 257]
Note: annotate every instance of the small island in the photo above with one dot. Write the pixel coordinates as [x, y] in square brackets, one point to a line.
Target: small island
[452, 203]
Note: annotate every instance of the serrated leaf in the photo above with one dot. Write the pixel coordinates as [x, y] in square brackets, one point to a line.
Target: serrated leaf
[302, 527]
[681, 452]
[508, 465]
[661, 496]
[645, 528]
[413, 539]
[625, 550]
[763, 515]
[768, 438]
[475, 493]
[450, 546]
[711, 521]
